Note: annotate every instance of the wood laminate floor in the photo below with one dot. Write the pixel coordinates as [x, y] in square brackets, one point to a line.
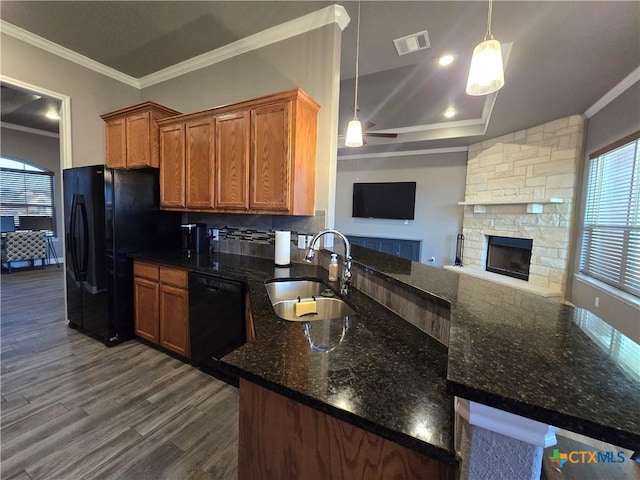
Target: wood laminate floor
[72, 408]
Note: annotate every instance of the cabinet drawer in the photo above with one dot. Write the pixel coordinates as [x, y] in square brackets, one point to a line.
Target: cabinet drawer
[173, 276]
[145, 270]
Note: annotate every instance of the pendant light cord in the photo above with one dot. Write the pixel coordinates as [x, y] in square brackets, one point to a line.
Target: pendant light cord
[355, 106]
[488, 34]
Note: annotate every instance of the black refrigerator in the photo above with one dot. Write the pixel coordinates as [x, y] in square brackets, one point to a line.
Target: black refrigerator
[110, 214]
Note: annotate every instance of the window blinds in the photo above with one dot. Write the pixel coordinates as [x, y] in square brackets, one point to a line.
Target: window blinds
[24, 192]
[611, 236]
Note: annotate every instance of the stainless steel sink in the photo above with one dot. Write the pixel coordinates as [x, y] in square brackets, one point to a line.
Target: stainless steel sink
[285, 293]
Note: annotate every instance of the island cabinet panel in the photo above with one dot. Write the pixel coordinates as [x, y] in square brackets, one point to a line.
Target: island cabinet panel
[232, 155]
[132, 135]
[281, 438]
[200, 163]
[271, 157]
[162, 306]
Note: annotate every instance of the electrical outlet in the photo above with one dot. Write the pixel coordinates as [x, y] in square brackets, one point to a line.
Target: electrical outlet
[214, 234]
[302, 242]
[316, 246]
[597, 302]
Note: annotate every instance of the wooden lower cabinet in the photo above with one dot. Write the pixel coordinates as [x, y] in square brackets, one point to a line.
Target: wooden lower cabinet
[281, 438]
[174, 319]
[162, 306]
[146, 308]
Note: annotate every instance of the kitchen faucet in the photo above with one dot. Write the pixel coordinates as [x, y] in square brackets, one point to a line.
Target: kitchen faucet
[345, 280]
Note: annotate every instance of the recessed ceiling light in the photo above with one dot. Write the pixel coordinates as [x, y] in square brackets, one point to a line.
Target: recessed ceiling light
[450, 112]
[445, 60]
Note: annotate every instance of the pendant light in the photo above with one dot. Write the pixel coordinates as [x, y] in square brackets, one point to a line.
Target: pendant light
[354, 130]
[486, 74]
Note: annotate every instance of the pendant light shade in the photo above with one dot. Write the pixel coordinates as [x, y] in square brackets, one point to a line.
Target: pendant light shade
[354, 134]
[354, 129]
[486, 74]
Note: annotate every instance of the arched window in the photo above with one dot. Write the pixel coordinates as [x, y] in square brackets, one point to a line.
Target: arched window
[25, 190]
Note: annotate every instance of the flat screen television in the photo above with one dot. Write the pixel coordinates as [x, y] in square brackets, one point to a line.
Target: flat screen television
[394, 200]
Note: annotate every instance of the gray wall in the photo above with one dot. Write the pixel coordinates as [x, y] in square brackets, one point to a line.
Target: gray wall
[440, 186]
[92, 94]
[310, 61]
[39, 150]
[617, 120]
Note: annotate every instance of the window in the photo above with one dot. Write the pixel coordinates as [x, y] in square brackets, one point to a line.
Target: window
[611, 238]
[25, 190]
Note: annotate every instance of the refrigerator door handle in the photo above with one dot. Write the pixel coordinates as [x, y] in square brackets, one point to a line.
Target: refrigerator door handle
[71, 238]
[85, 237]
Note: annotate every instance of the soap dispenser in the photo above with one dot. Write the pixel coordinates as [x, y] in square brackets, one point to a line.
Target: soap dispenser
[333, 268]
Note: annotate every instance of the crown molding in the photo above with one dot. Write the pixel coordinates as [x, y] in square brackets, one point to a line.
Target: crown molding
[326, 16]
[614, 93]
[35, 131]
[320, 18]
[404, 153]
[65, 53]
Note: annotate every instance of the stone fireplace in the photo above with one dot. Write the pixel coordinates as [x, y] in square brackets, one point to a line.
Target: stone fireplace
[521, 185]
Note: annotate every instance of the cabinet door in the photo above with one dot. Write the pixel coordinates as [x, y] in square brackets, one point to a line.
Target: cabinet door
[172, 166]
[116, 146]
[200, 163]
[138, 141]
[174, 319]
[146, 308]
[232, 157]
[271, 157]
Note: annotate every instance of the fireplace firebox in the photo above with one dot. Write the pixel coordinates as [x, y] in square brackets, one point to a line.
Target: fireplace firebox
[509, 256]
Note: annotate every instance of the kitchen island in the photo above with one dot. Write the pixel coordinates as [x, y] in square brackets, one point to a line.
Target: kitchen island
[507, 349]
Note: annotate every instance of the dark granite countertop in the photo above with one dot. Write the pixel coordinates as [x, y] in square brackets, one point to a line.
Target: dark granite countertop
[508, 349]
[528, 355]
[384, 375]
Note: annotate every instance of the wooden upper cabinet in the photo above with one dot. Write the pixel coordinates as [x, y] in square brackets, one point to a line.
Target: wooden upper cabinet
[131, 135]
[172, 166]
[270, 164]
[232, 156]
[260, 158]
[115, 143]
[138, 137]
[187, 162]
[200, 163]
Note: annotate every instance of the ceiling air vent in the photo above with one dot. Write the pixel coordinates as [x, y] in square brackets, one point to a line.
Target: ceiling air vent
[412, 43]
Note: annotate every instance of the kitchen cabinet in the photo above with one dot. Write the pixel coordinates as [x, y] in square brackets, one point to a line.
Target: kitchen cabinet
[232, 154]
[263, 158]
[266, 448]
[162, 306]
[131, 135]
[146, 291]
[187, 162]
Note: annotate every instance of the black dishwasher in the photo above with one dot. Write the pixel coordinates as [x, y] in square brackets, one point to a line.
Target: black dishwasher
[216, 321]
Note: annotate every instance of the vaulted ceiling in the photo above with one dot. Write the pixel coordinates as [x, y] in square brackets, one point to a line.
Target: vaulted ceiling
[561, 56]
